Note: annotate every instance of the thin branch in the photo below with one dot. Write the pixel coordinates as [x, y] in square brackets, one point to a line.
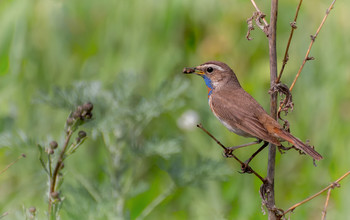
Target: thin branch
[12, 163]
[229, 153]
[331, 186]
[313, 38]
[293, 27]
[324, 212]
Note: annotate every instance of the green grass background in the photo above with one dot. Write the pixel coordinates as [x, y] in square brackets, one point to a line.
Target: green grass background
[127, 57]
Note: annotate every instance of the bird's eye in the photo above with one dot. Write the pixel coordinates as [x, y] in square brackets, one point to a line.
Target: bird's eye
[210, 69]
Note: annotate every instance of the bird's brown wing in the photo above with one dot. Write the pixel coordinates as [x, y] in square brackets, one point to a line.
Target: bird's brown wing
[241, 111]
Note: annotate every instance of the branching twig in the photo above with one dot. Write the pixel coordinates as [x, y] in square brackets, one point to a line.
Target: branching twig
[313, 37]
[331, 186]
[229, 153]
[293, 27]
[75, 119]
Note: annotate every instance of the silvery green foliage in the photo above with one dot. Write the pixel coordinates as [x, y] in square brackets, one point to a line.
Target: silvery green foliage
[124, 119]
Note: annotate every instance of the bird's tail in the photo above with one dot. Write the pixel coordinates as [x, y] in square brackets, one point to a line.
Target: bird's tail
[299, 144]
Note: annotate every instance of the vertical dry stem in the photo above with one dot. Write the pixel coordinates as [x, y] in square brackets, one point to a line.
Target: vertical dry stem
[270, 193]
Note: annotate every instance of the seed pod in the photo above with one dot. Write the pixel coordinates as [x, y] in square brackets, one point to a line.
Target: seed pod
[82, 134]
[55, 195]
[88, 115]
[53, 145]
[32, 210]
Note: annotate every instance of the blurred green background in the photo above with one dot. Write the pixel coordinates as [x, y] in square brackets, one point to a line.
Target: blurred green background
[144, 158]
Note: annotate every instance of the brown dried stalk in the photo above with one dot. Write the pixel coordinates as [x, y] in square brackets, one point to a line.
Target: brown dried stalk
[293, 27]
[331, 186]
[324, 212]
[313, 38]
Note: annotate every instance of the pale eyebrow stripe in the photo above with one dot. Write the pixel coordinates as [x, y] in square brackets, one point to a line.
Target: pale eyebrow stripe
[214, 66]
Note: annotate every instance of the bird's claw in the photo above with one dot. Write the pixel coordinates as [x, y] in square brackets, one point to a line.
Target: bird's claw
[228, 153]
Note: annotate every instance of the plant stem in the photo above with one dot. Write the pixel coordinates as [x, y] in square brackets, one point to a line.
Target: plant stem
[57, 168]
[293, 27]
[332, 185]
[270, 193]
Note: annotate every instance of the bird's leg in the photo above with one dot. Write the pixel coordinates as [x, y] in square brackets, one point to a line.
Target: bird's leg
[244, 145]
[245, 165]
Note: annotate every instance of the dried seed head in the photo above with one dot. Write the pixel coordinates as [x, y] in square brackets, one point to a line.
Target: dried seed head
[88, 106]
[55, 195]
[79, 109]
[82, 134]
[70, 121]
[32, 209]
[88, 115]
[53, 145]
[76, 114]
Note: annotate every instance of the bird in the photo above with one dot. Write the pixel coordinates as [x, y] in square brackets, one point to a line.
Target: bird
[238, 111]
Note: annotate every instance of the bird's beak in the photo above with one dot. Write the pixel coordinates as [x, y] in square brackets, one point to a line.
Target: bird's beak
[191, 70]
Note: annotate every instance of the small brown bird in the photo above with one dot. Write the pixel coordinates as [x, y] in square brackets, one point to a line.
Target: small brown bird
[239, 111]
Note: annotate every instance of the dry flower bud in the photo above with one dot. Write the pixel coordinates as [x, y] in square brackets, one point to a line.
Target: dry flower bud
[88, 106]
[53, 145]
[82, 134]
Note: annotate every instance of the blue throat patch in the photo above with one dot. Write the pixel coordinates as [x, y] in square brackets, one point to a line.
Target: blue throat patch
[208, 83]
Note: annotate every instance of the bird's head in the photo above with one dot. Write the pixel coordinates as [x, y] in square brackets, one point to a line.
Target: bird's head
[215, 74]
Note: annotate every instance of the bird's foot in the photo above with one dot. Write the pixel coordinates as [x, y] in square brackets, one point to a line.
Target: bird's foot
[245, 168]
[228, 153]
[282, 149]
